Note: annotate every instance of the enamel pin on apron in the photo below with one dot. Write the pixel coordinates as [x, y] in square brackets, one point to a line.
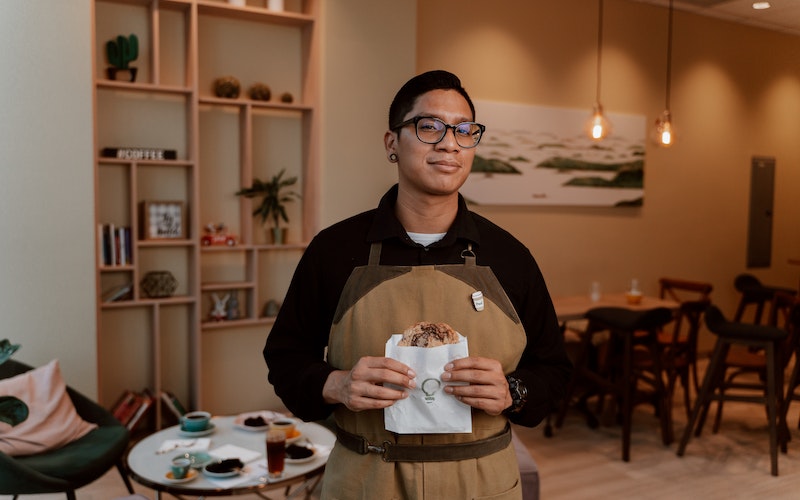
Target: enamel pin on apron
[477, 300]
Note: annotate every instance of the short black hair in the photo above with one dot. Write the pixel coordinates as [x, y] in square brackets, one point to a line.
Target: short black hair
[407, 96]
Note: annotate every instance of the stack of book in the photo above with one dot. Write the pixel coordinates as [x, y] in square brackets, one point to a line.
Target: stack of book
[132, 407]
[114, 245]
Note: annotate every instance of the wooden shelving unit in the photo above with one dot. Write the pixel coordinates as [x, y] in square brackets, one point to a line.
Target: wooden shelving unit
[222, 145]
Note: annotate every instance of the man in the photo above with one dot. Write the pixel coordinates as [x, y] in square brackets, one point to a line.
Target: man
[419, 256]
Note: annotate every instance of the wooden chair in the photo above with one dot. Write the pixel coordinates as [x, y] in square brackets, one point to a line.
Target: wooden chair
[768, 394]
[621, 371]
[678, 341]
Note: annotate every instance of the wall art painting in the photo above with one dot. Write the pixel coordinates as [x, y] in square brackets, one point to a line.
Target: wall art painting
[537, 155]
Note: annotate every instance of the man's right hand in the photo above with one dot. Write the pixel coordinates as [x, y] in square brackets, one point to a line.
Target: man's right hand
[362, 387]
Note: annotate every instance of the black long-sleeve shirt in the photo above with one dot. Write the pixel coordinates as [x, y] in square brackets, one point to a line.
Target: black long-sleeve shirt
[295, 347]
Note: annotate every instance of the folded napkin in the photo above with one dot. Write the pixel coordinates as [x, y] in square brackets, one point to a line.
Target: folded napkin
[233, 451]
[168, 445]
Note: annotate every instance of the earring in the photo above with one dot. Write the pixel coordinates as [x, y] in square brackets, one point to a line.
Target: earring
[393, 157]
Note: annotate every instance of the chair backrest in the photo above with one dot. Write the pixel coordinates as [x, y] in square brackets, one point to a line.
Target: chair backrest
[681, 290]
[785, 313]
[687, 323]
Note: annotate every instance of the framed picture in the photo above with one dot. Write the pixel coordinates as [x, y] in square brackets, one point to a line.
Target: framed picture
[163, 220]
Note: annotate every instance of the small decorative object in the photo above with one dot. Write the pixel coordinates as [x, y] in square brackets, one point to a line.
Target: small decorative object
[217, 235]
[238, 3]
[219, 312]
[273, 204]
[159, 284]
[287, 98]
[275, 5]
[271, 308]
[139, 153]
[227, 87]
[162, 220]
[233, 306]
[120, 53]
[260, 92]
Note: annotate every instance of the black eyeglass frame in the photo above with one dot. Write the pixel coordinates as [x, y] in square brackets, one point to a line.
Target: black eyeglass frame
[416, 119]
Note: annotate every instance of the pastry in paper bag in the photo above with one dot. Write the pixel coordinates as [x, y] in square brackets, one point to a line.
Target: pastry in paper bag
[427, 409]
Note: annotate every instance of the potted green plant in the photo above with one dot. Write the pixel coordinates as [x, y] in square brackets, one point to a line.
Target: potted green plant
[273, 203]
[12, 410]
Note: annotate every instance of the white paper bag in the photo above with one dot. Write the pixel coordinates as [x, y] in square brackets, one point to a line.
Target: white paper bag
[428, 409]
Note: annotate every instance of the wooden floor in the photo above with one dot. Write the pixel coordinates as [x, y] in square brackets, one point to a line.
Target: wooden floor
[583, 463]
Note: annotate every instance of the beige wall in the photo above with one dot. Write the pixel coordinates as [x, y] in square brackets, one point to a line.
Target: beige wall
[47, 186]
[735, 94]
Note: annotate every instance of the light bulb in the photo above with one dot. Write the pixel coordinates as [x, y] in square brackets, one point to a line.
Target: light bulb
[598, 127]
[664, 131]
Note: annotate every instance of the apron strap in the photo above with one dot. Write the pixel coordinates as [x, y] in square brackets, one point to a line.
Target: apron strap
[468, 255]
[375, 253]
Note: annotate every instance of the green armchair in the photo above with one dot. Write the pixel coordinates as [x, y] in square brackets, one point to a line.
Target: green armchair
[74, 465]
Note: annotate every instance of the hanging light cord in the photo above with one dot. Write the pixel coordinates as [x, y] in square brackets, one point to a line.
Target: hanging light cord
[599, 47]
[669, 53]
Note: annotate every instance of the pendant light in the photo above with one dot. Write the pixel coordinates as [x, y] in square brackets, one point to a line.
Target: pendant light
[597, 126]
[664, 131]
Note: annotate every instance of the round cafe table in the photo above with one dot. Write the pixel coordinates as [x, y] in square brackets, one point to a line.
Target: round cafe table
[149, 467]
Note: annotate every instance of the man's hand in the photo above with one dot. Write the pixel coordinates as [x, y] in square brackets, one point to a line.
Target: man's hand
[362, 387]
[487, 387]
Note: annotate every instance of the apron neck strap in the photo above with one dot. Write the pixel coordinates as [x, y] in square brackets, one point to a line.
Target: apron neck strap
[375, 253]
[468, 255]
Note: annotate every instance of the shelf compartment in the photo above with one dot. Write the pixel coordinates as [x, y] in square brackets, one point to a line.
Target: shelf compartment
[256, 14]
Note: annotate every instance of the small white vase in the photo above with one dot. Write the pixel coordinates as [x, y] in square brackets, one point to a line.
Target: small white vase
[275, 5]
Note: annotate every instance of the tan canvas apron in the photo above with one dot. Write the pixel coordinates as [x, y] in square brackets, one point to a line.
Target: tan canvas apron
[378, 301]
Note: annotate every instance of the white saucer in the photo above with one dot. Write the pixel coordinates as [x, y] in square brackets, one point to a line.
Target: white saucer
[190, 476]
[204, 432]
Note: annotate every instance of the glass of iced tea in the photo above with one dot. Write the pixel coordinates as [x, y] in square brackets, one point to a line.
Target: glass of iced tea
[276, 453]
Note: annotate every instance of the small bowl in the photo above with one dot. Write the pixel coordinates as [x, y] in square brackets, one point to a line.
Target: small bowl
[195, 421]
[633, 298]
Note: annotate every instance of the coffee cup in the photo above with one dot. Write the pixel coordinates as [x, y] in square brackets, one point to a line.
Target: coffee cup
[287, 425]
[180, 467]
[195, 421]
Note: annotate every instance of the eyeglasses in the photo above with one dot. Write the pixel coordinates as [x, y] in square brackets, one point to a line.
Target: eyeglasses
[432, 130]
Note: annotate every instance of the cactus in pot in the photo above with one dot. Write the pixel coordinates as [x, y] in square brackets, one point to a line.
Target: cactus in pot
[121, 52]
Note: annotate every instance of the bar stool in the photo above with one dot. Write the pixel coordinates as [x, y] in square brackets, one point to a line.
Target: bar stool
[633, 339]
[753, 292]
[713, 389]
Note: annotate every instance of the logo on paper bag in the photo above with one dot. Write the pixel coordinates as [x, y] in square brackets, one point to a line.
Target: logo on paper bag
[429, 388]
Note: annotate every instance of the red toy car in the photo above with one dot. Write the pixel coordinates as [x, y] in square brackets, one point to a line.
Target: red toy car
[217, 235]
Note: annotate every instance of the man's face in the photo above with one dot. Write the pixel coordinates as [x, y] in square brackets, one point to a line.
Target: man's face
[433, 169]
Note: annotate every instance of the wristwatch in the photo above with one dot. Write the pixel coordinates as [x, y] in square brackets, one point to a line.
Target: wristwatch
[519, 394]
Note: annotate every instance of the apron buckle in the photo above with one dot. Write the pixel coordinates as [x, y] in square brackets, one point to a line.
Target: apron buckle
[379, 450]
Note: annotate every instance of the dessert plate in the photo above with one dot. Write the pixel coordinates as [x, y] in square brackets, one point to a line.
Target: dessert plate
[224, 468]
[300, 454]
[256, 421]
